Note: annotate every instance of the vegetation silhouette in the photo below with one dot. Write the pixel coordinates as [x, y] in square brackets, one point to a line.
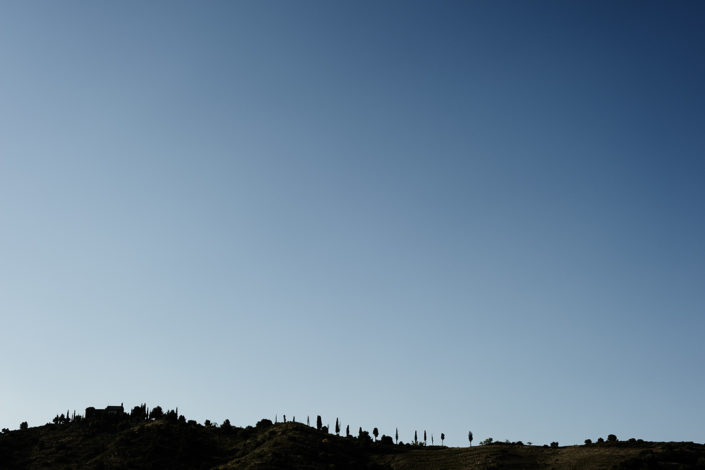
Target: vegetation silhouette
[110, 438]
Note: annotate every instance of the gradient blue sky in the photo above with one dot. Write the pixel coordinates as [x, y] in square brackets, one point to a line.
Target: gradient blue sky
[449, 216]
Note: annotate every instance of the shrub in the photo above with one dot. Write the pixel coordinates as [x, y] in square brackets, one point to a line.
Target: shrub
[554, 444]
[611, 438]
[588, 442]
[23, 426]
[263, 424]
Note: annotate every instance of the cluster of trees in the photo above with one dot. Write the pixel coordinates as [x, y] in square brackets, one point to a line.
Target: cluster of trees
[375, 432]
[612, 439]
[66, 418]
[143, 413]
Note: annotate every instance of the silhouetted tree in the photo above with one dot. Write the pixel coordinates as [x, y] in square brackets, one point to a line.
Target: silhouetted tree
[416, 437]
[319, 423]
[396, 435]
[600, 440]
[337, 427]
[431, 438]
[325, 429]
[226, 425]
[424, 437]
[308, 423]
[375, 432]
[347, 431]
[611, 438]
[588, 442]
[263, 424]
[156, 412]
[23, 426]
[554, 444]
[470, 437]
[284, 418]
[359, 432]
[364, 437]
[139, 412]
[171, 416]
[443, 438]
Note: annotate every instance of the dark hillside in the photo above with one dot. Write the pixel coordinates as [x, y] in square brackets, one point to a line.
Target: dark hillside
[126, 443]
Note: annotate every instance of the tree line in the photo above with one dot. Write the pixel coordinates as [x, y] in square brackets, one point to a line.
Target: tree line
[362, 434]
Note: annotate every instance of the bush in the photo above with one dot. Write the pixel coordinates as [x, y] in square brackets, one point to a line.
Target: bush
[611, 438]
[554, 444]
[263, 424]
[23, 426]
[588, 442]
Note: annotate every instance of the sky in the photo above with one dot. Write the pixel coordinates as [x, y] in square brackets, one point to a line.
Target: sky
[442, 216]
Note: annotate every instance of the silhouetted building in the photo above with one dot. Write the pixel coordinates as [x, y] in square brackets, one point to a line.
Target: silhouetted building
[109, 410]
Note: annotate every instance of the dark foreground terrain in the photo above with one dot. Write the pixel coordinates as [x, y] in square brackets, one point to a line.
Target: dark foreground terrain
[164, 444]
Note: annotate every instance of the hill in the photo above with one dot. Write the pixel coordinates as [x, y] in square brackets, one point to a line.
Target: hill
[122, 443]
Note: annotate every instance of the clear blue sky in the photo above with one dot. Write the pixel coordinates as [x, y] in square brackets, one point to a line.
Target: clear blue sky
[449, 216]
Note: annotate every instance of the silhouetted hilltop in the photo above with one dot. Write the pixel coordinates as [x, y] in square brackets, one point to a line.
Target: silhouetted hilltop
[114, 440]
